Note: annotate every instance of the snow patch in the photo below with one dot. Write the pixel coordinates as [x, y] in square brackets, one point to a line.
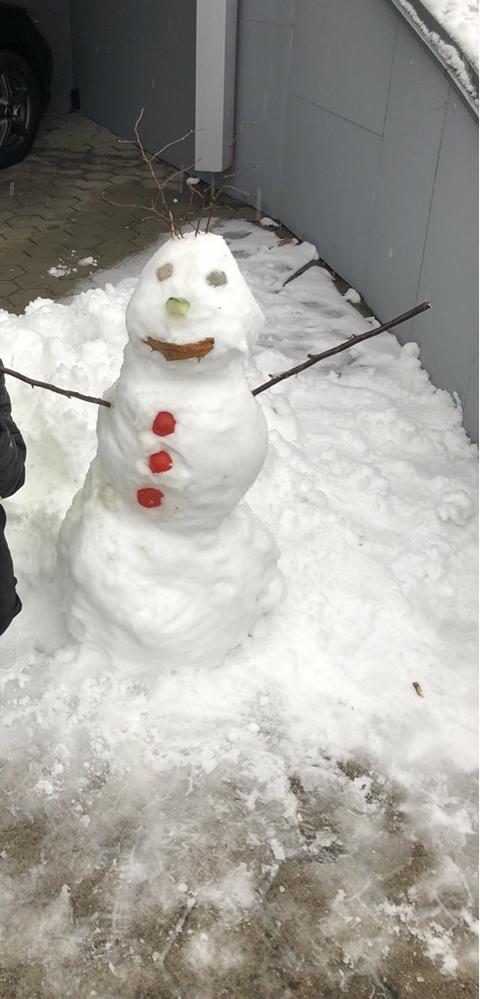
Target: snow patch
[269, 223]
[61, 271]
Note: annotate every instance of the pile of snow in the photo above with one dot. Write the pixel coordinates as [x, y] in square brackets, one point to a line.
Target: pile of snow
[199, 788]
[460, 19]
[453, 55]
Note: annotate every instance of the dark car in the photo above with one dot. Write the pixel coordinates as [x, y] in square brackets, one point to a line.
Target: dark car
[25, 79]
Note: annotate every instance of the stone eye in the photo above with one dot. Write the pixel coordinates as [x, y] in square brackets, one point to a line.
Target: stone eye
[164, 272]
[217, 278]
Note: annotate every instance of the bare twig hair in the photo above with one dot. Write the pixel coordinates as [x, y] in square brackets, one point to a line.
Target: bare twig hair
[199, 190]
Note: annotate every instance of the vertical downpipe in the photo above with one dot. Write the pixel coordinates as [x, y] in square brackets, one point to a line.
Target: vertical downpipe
[215, 83]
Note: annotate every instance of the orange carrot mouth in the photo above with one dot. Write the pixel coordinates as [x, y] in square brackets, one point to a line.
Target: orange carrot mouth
[181, 351]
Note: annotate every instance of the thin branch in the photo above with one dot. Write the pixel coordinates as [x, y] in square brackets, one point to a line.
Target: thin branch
[232, 144]
[54, 388]
[186, 220]
[314, 358]
[182, 138]
[147, 160]
[126, 204]
[209, 201]
[180, 171]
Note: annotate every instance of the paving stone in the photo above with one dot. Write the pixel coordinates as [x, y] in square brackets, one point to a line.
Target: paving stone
[109, 247]
[10, 273]
[79, 246]
[20, 299]
[14, 256]
[7, 288]
[88, 216]
[38, 278]
[61, 204]
[37, 237]
[87, 184]
[80, 226]
[24, 211]
[52, 227]
[81, 194]
[20, 232]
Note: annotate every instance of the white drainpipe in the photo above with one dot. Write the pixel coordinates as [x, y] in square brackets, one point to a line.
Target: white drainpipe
[215, 84]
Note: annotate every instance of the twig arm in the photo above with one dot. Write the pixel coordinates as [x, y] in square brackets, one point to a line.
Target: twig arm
[54, 388]
[345, 345]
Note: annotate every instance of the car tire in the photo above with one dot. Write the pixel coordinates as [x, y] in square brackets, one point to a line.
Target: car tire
[20, 108]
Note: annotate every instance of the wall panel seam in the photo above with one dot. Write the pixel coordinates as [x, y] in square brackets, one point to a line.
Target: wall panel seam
[387, 103]
[335, 114]
[427, 227]
[272, 24]
[380, 163]
[285, 112]
[469, 381]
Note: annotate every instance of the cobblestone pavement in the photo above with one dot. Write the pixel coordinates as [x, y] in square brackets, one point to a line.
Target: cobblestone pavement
[72, 207]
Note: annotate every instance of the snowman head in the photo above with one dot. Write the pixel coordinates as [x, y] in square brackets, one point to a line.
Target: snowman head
[191, 304]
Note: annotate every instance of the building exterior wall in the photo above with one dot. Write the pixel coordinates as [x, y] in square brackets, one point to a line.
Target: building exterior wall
[363, 145]
[134, 55]
[357, 139]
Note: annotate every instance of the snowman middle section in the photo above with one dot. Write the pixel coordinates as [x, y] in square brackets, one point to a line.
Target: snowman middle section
[186, 447]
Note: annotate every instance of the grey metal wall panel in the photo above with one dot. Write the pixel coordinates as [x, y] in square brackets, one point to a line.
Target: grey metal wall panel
[133, 55]
[448, 336]
[342, 55]
[329, 183]
[261, 105]
[411, 143]
[268, 11]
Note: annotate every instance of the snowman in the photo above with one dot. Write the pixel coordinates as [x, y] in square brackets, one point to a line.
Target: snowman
[164, 565]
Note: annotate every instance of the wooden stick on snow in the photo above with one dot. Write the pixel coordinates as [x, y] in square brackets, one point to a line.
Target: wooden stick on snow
[345, 345]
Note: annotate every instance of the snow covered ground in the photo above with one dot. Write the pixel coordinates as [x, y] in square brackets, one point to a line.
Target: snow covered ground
[298, 821]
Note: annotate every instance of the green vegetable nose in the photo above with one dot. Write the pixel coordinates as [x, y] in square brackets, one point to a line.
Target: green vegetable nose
[178, 306]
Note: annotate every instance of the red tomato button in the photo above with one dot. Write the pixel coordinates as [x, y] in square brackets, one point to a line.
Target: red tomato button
[163, 424]
[160, 462]
[149, 497]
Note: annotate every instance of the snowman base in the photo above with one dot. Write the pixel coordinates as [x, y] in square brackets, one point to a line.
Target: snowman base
[149, 598]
